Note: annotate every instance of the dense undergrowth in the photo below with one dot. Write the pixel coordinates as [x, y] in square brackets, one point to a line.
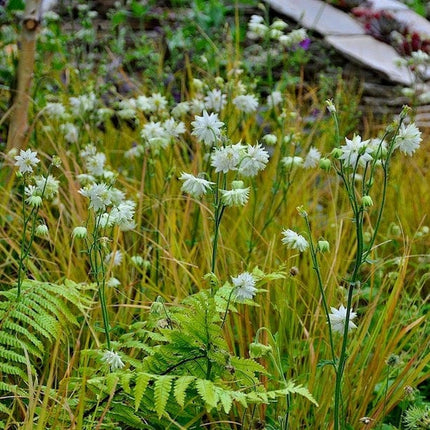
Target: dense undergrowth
[189, 241]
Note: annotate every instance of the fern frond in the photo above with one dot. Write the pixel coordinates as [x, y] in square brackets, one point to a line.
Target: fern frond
[181, 385]
[163, 385]
[142, 380]
[208, 392]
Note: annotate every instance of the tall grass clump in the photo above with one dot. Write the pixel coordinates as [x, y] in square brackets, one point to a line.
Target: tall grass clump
[225, 249]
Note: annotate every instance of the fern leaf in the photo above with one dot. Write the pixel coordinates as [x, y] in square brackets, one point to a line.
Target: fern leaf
[142, 380]
[125, 381]
[225, 398]
[181, 385]
[208, 393]
[162, 388]
[291, 388]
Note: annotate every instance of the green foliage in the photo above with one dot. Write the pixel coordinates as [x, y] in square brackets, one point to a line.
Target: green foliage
[30, 324]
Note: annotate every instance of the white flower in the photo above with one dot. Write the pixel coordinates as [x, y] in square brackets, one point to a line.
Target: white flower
[237, 196]
[26, 160]
[196, 105]
[47, 186]
[294, 240]
[70, 131]
[113, 282]
[99, 195]
[244, 286]
[293, 38]
[157, 102]
[256, 28]
[135, 151]
[143, 103]
[114, 258]
[127, 108]
[355, 151]
[338, 318]
[215, 100]
[55, 110]
[254, 160]
[207, 128]
[312, 159]
[180, 109]
[227, 158]
[83, 104]
[122, 215]
[292, 161]
[173, 128]
[95, 164]
[246, 103]
[274, 99]
[409, 138]
[113, 359]
[154, 135]
[194, 185]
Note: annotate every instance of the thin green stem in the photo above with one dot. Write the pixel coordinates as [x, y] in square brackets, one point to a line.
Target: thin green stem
[321, 288]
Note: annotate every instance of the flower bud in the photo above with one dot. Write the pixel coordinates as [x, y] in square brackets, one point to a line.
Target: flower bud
[330, 106]
[325, 164]
[323, 246]
[41, 230]
[237, 185]
[270, 139]
[336, 153]
[367, 201]
[301, 211]
[79, 232]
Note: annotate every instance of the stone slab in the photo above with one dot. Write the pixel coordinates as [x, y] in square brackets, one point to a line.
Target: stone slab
[372, 54]
[414, 21]
[319, 16]
[388, 5]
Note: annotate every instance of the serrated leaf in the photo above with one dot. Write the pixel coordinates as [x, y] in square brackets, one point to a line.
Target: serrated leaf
[142, 380]
[291, 388]
[111, 382]
[226, 399]
[125, 381]
[181, 385]
[207, 392]
[163, 385]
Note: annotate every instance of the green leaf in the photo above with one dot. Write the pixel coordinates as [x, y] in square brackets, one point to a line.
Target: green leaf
[291, 388]
[181, 385]
[111, 382]
[162, 388]
[142, 380]
[226, 399]
[207, 392]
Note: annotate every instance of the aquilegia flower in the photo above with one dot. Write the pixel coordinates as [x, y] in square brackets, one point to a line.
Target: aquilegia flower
[237, 196]
[338, 318]
[294, 240]
[245, 286]
[207, 128]
[113, 359]
[255, 159]
[355, 150]
[194, 185]
[26, 160]
[409, 138]
[312, 159]
[246, 103]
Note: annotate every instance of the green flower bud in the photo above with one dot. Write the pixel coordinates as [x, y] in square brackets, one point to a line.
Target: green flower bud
[336, 153]
[41, 230]
[325, 164]
[367, 201]
[323, 246]
[237, 185]
[79, 232]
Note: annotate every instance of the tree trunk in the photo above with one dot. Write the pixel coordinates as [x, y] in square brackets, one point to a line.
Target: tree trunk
[19, 115]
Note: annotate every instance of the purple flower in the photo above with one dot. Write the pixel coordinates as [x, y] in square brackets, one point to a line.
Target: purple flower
[305, 43]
